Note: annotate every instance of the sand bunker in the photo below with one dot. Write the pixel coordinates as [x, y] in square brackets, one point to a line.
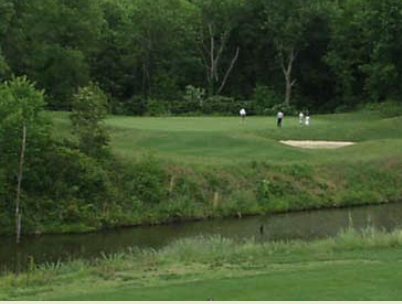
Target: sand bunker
[317, 144]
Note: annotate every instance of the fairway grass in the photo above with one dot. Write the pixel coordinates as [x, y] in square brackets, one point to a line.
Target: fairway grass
[351, 266]
[226, 140]
[354, 280]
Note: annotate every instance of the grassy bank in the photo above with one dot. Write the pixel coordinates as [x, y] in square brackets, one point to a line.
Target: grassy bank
[184, 168]
[218, 166]
[351, 266]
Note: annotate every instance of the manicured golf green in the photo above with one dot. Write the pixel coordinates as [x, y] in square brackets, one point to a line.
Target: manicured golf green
[226, 140]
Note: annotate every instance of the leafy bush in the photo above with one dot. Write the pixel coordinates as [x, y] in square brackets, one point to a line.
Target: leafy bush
[264, 98]
[136, 105]
[195, 96]
[191, 103]
[147, 181]
[156, 107]
[390, 108]
[220, 104]
[263, 190]
[289, 110]
[90, 108]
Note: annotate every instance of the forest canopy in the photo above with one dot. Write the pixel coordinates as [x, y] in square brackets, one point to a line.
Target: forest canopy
[153, 56]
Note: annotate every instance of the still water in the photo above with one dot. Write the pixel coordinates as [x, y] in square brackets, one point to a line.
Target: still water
[298, 225]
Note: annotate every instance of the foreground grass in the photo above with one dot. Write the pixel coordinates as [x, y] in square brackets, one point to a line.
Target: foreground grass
[351, 266]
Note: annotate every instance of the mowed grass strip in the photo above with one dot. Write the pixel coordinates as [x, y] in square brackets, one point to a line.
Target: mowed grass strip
[353, 281]
[364, 265]
[224, 140]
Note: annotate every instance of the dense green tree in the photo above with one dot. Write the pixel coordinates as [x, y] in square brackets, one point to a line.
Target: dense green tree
[148, 49]
[49, 180]
[23, 131]
[382, 27]
[165, 41]
[116, 56]
[53, 43]
[4, 68]
[349, 49]
[6, 14]
[7, 11]
[89, 111]
[315, 81]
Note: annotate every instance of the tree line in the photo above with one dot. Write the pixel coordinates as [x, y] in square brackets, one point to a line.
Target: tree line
[204, 56]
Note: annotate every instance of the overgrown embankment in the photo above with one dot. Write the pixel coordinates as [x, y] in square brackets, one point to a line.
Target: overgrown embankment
[261, 187]
[151, 192]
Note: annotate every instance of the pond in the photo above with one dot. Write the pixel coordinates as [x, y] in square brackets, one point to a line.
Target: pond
[297, 225]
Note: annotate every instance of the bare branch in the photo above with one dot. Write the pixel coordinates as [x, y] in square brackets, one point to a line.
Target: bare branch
[224, 38]
[282, 63]
[293, 54]
[292, 57]
[229, 70]
[204, 59]
[18, 215]
[283, 68]
[202, 42]
[212, 50]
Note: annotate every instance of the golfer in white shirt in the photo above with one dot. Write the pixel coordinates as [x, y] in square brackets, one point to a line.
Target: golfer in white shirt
[243, 114]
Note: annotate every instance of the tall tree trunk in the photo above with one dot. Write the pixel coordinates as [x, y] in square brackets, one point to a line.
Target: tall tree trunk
[287, 66]
[229, 70]
[18, 214]
[211, 53]
[289, 86]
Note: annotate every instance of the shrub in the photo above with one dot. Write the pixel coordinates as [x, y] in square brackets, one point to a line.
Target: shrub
[289, 110]
[263, 190]
[345, 108]
[390, 108]
[221, 104]
[136, 105]
[191, 103]
[264, 99]
[147, 181]
[90, 108]
[194, 96]
[156, 107]
[75, 175]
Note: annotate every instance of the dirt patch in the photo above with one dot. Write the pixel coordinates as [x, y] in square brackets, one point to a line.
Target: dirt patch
[317, 144]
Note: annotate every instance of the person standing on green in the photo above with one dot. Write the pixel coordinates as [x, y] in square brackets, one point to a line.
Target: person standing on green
[301, 118]
[243, 114]
[279, 117]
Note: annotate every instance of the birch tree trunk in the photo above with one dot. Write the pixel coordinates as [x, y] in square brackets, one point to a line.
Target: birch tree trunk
[229, 70]
[18, 214]
[287, 66]
[211, 53]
